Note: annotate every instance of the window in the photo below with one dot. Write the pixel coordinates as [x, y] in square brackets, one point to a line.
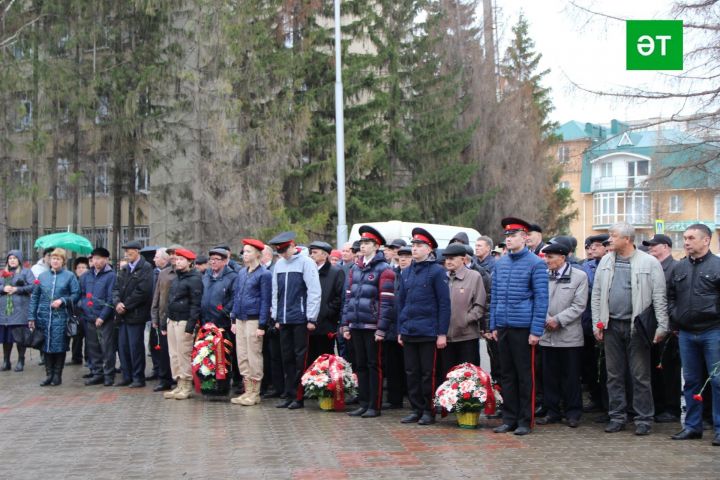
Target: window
[676, 204]
[22, 176]
[637, 172]
[100, 182]
[98, 237]
[103, 109]
[62, 188]
[563, 154]
[23, 114]
[717, 209]
[142, 180]
[142, 235]
[677, 239]
[20, 239]
[606, 169]
[564, 184]
[612, 207]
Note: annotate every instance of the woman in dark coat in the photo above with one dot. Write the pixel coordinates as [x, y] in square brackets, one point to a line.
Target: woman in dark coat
[58, 288]
[17, 285]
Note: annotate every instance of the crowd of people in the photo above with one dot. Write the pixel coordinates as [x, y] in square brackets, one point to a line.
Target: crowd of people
[623, 323]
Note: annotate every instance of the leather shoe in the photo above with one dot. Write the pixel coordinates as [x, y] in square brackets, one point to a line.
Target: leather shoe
[573, 422]
[666, 417]
[522, 431]
[504, 428]
[687, 435]
[152, 377]
[548, 420]
[592, 407]
[161, 387]
[124, 383]
[88, 375]
[295, 404]
[412, 418]
[613, 427]
[94, 381]
[371, 413]
[392, 406]
[270, 393]
[136, 385]
[109, 383]
[643, 429]
[427, 419]
[716, 440]
[357, 412]
[284, 404]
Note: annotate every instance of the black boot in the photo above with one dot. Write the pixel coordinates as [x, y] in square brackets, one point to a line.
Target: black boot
[7, 348]
[49, 369]
[57, 371]
[20, 365]
[42, 358]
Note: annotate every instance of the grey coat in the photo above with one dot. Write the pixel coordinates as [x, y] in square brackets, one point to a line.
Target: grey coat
[568, 298]
[23, 280]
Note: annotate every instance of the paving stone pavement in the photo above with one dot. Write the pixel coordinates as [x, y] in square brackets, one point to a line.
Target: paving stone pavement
[79, 432]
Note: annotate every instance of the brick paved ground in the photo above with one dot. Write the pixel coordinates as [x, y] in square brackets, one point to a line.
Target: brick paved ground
[73, 431]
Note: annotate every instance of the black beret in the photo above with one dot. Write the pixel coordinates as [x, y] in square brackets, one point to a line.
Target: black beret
[397, 243]
[132, 245]
[534, 227]
[560, 248]
[455, 250]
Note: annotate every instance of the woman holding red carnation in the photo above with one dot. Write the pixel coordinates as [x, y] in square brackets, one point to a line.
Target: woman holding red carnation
[17, 285]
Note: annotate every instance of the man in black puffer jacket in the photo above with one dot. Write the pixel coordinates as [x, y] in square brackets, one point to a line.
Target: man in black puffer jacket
[183, 313]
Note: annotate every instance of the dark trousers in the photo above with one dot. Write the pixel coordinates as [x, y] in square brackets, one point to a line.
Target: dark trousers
[561, 377]
[79, 347]
[516, 376]
[235, 370]
[131, 349]
[459, 352]
[272, 362]
[294, 347]
[494, 354]
[591, 373]
[161, 357]
[666, 384]
[420, 360]
[368, 357]
[101, 348]
[627, 356]
[319, 345]
[394, 369]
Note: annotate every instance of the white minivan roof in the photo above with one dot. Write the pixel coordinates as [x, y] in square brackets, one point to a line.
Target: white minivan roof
[397, 229]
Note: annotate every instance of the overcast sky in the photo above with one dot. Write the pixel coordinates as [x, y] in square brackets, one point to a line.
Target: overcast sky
[590, 51]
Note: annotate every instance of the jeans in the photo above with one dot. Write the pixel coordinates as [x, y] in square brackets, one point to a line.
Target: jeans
[694, 347]
[622, 350]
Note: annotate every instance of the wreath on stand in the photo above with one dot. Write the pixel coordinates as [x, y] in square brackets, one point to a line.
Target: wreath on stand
[210, 361]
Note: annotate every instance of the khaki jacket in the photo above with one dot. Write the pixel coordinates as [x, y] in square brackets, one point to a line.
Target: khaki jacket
[648, 288]
[161, 294]
[467, 305]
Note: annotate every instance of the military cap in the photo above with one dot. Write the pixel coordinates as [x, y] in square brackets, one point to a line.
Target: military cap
[420, 235]
[512, 225]
[369, 233]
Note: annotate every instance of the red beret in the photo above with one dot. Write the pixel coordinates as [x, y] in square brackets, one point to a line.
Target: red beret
[182, 252]
[254, 243]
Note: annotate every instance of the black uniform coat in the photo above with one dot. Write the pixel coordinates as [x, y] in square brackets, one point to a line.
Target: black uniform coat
[135, 290]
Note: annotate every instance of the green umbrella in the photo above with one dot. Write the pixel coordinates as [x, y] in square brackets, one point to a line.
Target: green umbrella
[67, 240]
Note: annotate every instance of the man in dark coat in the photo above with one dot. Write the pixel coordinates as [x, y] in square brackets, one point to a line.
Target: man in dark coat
[332, 279]
[132, 297]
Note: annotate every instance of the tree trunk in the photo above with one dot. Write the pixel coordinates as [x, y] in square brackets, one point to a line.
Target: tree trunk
[34, 151]
[117, 207]
[132, 178]
[76, 184]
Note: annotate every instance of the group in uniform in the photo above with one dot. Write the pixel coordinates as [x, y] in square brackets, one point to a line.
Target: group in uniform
[622, 322]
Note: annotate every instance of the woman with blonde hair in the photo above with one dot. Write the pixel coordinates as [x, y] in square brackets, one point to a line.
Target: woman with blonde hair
[56, 290]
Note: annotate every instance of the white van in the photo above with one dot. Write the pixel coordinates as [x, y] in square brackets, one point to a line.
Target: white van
[397, 229]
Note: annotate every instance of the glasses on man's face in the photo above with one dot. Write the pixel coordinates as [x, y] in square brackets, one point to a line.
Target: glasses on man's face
[215, 259]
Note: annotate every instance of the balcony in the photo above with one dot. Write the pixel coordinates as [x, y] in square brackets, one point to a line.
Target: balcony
[618, 182]
[627, 206]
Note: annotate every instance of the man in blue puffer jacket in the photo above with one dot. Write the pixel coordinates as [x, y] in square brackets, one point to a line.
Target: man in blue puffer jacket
[518, 310]
[423, 319]
[295, 308]
[98, 314]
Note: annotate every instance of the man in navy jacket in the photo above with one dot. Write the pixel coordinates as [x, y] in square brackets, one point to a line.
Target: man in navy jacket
[518, 308]
[97, 313]
[423, 319]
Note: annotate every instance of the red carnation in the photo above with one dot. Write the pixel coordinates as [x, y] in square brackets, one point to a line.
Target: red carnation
[219, 307]
[331, 386]
[6, 274]
[466, 396]
[37, 282]
[600, 325]
[440, 393]
[157, 347]
[90, 303]
[468, 374]
[331, 335]
[454, 386]
[697, 397]
[88, 295]
[659, 366]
